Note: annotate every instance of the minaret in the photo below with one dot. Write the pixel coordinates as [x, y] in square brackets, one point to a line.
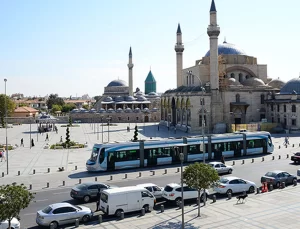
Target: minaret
[130, 67]
[213, 32]
[179, 50]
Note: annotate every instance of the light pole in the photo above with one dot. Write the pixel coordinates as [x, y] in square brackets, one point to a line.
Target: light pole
[5, 80]
[181, 156]
[102, 126]
[108, 119]
[98, 129]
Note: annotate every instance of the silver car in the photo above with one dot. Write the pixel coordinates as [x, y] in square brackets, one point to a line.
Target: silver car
[221, 168]
[62, 213]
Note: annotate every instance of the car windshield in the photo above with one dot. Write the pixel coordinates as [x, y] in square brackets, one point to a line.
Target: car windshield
[297, 154]
[81, 186]
[104, 197]
[46, 210]
[168, 188]
[270, 174]
[94, 154]
[223, 180]
[211, 165]
[76, 207]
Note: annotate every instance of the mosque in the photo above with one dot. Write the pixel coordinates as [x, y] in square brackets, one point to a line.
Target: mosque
[227, 86]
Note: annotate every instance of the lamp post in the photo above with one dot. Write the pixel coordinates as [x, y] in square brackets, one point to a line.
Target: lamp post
[5, 80]
[30, 132]
[181, 156]
[102, 127]
[97, 130]
[108, 119]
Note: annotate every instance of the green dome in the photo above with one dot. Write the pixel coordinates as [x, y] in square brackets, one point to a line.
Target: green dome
[150, 83]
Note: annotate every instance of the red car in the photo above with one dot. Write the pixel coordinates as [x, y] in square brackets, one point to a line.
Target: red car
[296, 157]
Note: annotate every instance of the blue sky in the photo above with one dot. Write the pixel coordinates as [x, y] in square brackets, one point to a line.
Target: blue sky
[73, 47]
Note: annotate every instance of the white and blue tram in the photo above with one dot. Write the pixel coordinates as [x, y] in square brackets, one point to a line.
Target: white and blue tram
[150, 153]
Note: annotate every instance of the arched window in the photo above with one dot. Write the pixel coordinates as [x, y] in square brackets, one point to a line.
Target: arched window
[202, 101]
[293, 108]
[187, 80]
[240, 77]
[262, 99]
[278, 108]
[237, 98]
[247, 76]
[232, 75]
[284, 108]
[193, 80]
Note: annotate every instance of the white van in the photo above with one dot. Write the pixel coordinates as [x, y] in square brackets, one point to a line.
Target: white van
[126, 199]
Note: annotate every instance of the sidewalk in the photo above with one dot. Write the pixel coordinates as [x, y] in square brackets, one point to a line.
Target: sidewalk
[277, 209]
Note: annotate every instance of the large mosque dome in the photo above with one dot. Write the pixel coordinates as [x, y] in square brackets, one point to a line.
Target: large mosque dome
[276, 83]
[228, 49]
[291, 87]
[253, 82]
[117, 83]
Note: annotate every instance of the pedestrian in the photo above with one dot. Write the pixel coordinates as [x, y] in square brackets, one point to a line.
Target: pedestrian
[158, 127]
[223, 159]
[32, 143]
[47, 137]
[22, 142]
[98, 199]
[286, 140]
[3, 155]
[61, 139]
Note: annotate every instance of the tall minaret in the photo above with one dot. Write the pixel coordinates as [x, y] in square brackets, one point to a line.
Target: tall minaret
[130, 67]
[179, 50]
[213, 32]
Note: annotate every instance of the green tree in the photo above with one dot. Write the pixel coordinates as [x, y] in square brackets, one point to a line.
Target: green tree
[56, 108]
[54, 99]
[136, 132]
[67, 137]
[68, 107]
[70, 120]
[10, 107]
[200, 176]
[85, 106]
[13, 198]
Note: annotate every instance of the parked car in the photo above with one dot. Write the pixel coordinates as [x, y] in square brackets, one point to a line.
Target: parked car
[296, 157]
[277, 176]
[14, 224]
[234, 185]
[221, 168]
[88, 191]
[62, 213]
[126, 199]
[154, 189]
[298, 172]
[172, 193]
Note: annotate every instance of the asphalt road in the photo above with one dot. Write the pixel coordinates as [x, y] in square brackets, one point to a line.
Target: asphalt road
[250, 171]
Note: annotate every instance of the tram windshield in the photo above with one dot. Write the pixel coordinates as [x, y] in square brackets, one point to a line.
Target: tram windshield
[94, 154]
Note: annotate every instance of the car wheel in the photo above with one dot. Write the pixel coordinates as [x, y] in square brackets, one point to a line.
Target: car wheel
[178, 201]
[278, 184]
[229, 191]
[251, 189]
[86, 199]
[118, 213]
[294, 181]
[54, 224]
[229, 171]
[85, 218]
[146, 207]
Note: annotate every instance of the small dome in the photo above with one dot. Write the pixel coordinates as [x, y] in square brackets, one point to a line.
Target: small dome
[141, 98]
[253, 82]
[276, 83]
[152, 94]
[119, 99]
[232, 81]
[139, 93]
[117, 83]
[108, 99]
[129, 98]
[291, 86]
[228, 49]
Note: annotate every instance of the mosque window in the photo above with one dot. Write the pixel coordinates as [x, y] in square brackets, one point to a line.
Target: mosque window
[232, 75]
[262, 99]
[278, 120]
[284, 108]
[272, 119]
[237, 98]
[240, 77]
[272, 108]
[293, 108]
[278, 108]
[193, 79]
[128, 118]
[154, 118]
[119, 118]
[202, 101]
[187, 80]
[137, 118]
[293, 122]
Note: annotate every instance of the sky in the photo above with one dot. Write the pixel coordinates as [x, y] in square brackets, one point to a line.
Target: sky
[73, 47]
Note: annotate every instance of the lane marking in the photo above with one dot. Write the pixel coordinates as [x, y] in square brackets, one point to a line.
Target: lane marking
[30, 214]
[58, 193]
[41, 200]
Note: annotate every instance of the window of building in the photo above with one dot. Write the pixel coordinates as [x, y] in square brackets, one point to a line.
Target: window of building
[202, 101]
[128, 118]
[293, 108]
[187, 80]
[237, 98]
[278, 108]
[200, 120]
[272, 108]
[262, 99]
[293, 122]
[240, 77]
[232, 75]
[272, 119]
[137, 118]
[154, 118]
[119, 118]
[193, 79]
[278, 120]
[285, 123]
[284, 108]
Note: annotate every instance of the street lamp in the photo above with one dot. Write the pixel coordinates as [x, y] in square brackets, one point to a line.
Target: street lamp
[30, 132]
[5, 80]
[108, 119]
[181, 156]
[102, 126]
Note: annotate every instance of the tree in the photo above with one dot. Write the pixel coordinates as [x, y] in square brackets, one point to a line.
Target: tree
[10, 107]
[13, 198]
[54, 99]
[70, 120]
[68, 107]
[135, 136]
[85, 106]
[67, 137]
[56, 107]
[200, 176]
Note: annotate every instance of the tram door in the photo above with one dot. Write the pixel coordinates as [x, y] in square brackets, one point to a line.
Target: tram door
[238, 146]
[264, 145]
[111, 161]
[151, 156]
[175, 152]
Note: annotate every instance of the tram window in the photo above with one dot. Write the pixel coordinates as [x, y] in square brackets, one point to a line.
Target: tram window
[102, 156]
[126, 155]
[193, 149]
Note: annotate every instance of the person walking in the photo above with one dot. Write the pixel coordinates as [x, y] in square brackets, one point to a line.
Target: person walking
[22, 142]
[3, 156]
[61, 139]
[286, 140]
[47, 137]
[223, 159]
[98, 200]
[32, 142]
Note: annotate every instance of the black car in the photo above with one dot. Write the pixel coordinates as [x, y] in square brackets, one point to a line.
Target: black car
[296, 157]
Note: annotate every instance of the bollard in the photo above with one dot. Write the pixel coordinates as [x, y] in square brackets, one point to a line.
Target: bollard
[287, 156]
[299, 144]
[262, 159]
[142, 211]
[75, 167]
[153, 173]
[214, 198]
[243, 162]
[293, 145]
[286, 146]
[279, 157]
[271, 188]
[229, 195]
[47, 184]
[96, 179]
[257, 191]
[76, 222]
[64, 183]
[278, 147]
[166, 171]
[273, 157]
[233, 163]
[19, 173]
[30, 187]
[111, 177]
[100, 219]
[51, 226]
[177, 170]
[140, 174]
[252, 160]
[49, 170]
[282, 184]
[162, 208]
[122, 215]
[79, 181]
[33, 171]
[125, 177]
[2, 174]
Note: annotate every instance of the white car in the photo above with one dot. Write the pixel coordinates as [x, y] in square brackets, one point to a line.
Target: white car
[221, 168]
[298, 172]
[14, 224]
[234, 185]
[62, 213]
[172, 193]
[154, 189]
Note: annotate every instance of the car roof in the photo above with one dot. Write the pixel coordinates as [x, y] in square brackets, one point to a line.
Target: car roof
[59, 205]
[90, 183]
[125, 189]
[231, 178]
[173, 185]
[146, 185]
[215, 162]
[276, 171]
